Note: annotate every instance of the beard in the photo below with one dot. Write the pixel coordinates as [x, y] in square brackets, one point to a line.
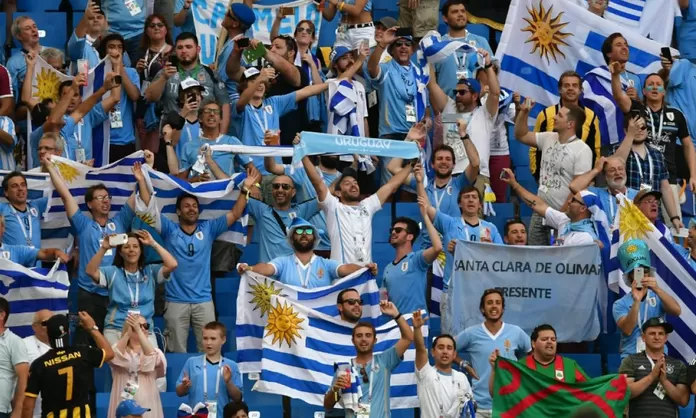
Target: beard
[445, 175]
[302, 246]
[187, 62]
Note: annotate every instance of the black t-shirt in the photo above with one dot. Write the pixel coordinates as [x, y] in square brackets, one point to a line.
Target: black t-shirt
[63, 378]
[295, 121]
[664, 138]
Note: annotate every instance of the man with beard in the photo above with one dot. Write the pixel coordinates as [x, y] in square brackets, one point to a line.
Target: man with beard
[436, 395]
[91, 231]
[477, 109]
[614, 170]
[349, 305]
[646, 299]
[570, 89]
[22, 216]
[188, 292]
[406, 277]
[304, 268]
[92, 26]
[563, 156]
[371, 371]
[544, 359]
[667, 131]
[646, 167]
[515, 232]
[482, 340]
[165, 86]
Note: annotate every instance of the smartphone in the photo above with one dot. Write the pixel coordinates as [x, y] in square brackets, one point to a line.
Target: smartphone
[173, 60]
[191, 98]
[118, 80]
[73, 318]
[118, 239]
[287, 11]
[503, 175]
[401, 32]
[450, 118]
[666, 52]
[638, 275]
[83, 68]
[243, 42]
[251, 55]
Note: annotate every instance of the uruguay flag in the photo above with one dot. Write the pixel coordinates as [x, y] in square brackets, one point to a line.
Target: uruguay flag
[100, 133]
[543, 38]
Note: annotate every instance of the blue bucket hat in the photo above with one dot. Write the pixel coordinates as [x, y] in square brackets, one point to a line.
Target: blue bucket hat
[243, 13]
[634, 253]
[129, 407]
[338, 52]
[302, 223]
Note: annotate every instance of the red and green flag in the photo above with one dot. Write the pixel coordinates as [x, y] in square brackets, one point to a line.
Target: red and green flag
[521, 392]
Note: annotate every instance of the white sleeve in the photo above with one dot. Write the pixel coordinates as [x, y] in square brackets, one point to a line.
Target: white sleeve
[372, 204]
[102, 279]
[424, 374]
[329, 202]
[556, 219]
[543, 139]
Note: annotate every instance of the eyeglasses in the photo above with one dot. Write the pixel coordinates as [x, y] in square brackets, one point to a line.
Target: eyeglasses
[156, 25]
[284, 186]
[308, 31]
[352, 301]
[579, 202]
[304, 231]
[47, 149]
[145, 326]
[363, 373]
[403, 43]
[649, 201]
[210, 111]
[461, 92]
[102, 198]
[398, 229]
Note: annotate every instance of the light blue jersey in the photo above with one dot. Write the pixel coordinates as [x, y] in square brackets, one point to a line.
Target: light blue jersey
[460, 65]
[455, 228]
[396, 86]
[405, 281]
[17, 68]
[20, 254]
[306, 191]
[225, 160]
[127, 18]
[7, 159]
[319, 272]
[511, 341]
[188, 25]
[609, 201]
[253, 122]
[79, 134]
[633, 81]
[650, 307]
[130, 292]
[214, 377]
[23, 227]
[682, 87]
[81, 48]
[273, 240]
[190, 282]
[190, 133]
[686, 36]
[126, 134]
[89, 237]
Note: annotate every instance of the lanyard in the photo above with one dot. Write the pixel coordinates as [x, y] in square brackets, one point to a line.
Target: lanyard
[439, 197]
[134, 298]
[657, 136]
[154, 58]
[557, 364]
[205, 379]
[612, 205]
[79, 133]
[308, 269]
[372, 375]
[263, 125]
[458, 386]
[28, 238]
[640, 165]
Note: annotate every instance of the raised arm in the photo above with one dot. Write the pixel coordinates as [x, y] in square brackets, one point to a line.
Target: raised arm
[310, 91]
[92, 100]
[620, 96]
[71, 207]
[92, 268]
[172, 159]
[142, 188]
[522, 128]
[244, 98]
[419, 341]
[438, 98]
[315, 178]
[285, 68]
[264, 269]
[27, 95]
[58, 111]
[213, 166]
[82, 27]
[422, 194]
[401, 346]
[472, 170]
[180, 18]
[233, 66]
[433, 252]
[493, 98]
[626, 146]
[383, 41]
[270, 164]
[583, 181]
[534, 202]
[669, 202]
[88, 324]
[252, 180]
[132, 91]
[394, 183]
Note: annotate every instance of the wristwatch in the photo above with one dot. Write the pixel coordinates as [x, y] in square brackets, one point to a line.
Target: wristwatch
[465, 137]
[674, 217]
[168, 143]
[95, 327]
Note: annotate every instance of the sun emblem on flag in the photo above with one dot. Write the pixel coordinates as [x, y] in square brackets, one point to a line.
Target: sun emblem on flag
[46, 87]
[68, 172]
[632, 223]
[545, 32]
[283, 324]
[148, 218]
[262, 293]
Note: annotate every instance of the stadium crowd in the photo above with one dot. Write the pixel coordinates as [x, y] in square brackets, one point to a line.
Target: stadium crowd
[314, 220]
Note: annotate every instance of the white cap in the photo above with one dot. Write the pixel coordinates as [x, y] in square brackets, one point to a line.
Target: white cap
[188, 83]
[250, 72]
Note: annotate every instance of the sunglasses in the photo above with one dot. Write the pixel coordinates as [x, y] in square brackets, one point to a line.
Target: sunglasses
[461, 92]
[156, 25]
[403, 43]
[102, 198]
[284, 186]
[145, 326]
[578, 202]
[308, 31]
[398, 229]
[304, 231]
[353, 301]
[210, 111]
[363, 373]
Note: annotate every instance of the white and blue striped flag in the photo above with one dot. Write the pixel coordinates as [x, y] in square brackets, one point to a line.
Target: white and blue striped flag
[342, 103]
[673, 273]
[30, 290]
[543, 38]
[253, 305]
[299, 355]
[101, 133]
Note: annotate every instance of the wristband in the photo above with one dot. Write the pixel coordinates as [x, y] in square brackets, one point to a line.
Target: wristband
[396, 318]
[465, 137]
[674, 217]
[488, 66]
[168, 143]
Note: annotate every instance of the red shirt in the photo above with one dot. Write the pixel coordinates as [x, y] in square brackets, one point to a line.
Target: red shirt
[5, 83]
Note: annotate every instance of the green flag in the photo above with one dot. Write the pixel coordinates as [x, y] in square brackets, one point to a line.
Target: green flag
[521, 392]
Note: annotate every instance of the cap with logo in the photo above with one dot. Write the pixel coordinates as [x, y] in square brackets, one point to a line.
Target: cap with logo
[338, 52]
[250, 72]
[634, 253]
[657, 322]
[471, 83]
[58, 330]
[129, 407]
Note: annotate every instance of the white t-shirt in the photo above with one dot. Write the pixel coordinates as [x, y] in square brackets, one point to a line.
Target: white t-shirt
[558, 220]
[560, 163]
[360, 106]
[350, 228]
[479, 128]
[440, 395]
[499, 138]
[35, 349]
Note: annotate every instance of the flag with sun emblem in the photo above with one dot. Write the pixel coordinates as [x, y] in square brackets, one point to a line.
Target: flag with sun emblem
[301, 347]
[544, 38]
[254, 304]
[669, 266]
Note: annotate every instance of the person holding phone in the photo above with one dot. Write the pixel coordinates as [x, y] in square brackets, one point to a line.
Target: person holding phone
[91, 28]
[645, 299]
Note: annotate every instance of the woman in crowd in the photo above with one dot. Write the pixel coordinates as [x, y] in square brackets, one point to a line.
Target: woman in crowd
[134, 368]
[305, 37]
[156, 47]
[131, 284]
[236, 410]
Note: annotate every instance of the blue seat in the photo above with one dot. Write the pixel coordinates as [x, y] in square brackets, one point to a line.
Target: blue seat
[250, 253]
[175, 363]
[103, 379]
[76, 17]
[504, 210]
[226, 303]
[590, 363]
[38, 5]
[260, 400]
[78, 4]
[688, 410]
[381, 223]
[409, 210]
[613, 362]
[54, 24]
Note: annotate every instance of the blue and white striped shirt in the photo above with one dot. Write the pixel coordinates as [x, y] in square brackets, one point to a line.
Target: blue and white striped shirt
[7, 161]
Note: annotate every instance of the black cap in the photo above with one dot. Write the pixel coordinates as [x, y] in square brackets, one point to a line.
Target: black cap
[657, 322]
[58, 330]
